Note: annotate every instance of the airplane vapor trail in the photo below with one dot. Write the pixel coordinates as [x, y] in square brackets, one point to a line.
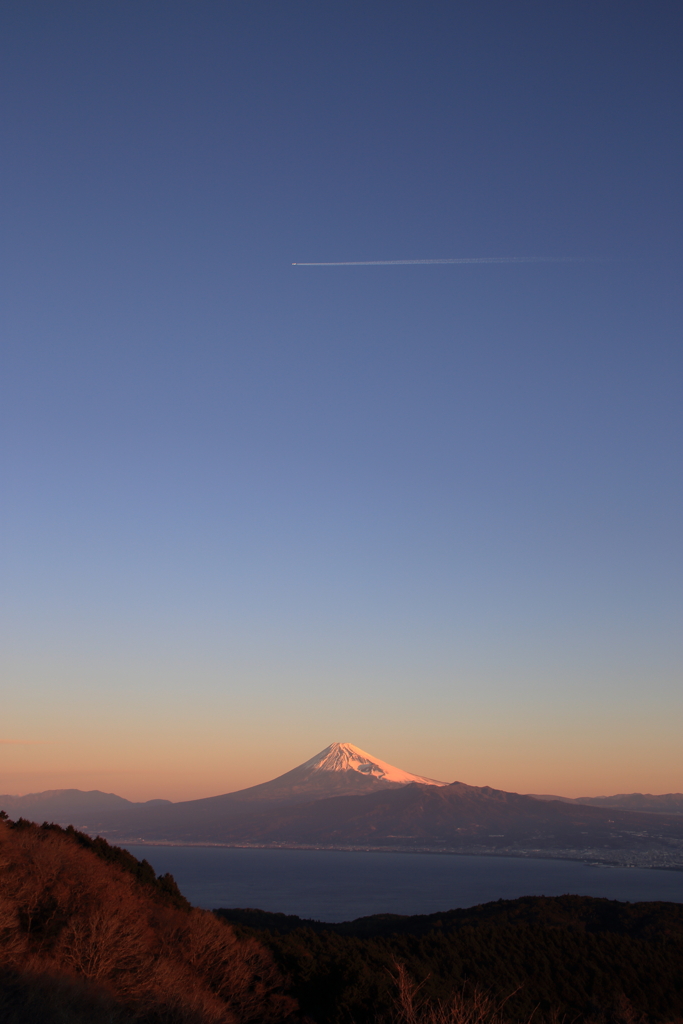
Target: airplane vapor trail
[464, 259]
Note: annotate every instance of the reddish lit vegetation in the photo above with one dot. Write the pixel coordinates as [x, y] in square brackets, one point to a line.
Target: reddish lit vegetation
[87, 935]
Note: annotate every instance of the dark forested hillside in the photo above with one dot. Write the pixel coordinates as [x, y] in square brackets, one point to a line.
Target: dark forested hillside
[567, 957]
[88, 935]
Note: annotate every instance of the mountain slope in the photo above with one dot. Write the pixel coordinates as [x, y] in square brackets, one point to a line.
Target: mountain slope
[339, 770]
[104, 940]
[458, 818]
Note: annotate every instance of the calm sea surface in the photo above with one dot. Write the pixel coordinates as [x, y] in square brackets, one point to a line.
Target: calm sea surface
[332, 885]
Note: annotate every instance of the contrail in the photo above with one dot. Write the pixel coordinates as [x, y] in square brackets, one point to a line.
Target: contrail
[464, 259]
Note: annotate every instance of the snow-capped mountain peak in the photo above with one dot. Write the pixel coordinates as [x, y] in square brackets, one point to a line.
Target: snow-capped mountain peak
[339, 770]
[345, 757]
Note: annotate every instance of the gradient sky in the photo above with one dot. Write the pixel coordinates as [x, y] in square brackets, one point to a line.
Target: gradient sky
[248, 508]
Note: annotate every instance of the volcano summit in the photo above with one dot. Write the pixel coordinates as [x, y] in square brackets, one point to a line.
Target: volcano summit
[338, 770]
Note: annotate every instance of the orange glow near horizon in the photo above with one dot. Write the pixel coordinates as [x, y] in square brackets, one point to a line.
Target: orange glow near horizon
[201, 769]
[185, 730]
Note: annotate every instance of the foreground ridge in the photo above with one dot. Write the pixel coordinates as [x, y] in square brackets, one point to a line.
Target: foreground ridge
[90, 934]
[536, 958]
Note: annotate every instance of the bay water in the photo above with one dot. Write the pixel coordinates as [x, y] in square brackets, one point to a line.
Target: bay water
[334, 885]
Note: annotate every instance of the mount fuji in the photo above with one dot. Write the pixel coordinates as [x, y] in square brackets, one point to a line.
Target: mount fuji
[339, 770]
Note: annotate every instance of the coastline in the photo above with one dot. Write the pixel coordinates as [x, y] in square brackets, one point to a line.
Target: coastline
[590, 857]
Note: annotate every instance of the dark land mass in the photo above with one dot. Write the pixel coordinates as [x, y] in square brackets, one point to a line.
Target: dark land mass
[569, 957]
[455, 818]
[310, 807]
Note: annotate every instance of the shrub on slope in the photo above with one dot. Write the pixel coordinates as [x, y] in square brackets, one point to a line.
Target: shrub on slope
[81, 926]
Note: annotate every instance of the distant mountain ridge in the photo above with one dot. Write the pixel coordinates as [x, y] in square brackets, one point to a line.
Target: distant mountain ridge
[666, 803]
[61, 804]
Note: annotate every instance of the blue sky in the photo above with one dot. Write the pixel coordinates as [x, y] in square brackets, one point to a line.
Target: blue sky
[249, 508]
